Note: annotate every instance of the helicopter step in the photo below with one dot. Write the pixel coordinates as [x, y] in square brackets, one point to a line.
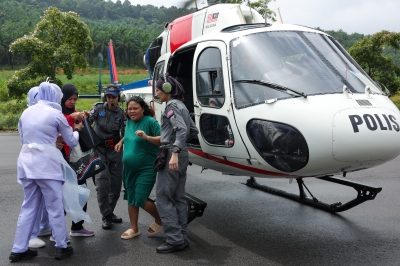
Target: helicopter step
[195, 207]
[364, 193]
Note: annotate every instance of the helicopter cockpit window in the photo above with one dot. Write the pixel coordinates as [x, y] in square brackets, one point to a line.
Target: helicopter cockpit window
[342, 61]
[158, 71]
[270, 65]
[210, 90]
[216, 130]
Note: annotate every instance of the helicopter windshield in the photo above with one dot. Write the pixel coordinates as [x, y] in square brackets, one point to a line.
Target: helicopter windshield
[305, 62]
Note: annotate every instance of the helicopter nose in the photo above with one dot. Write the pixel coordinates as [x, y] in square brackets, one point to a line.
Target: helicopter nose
[365, 134]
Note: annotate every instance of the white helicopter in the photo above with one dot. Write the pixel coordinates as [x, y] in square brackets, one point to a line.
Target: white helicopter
[274, 101]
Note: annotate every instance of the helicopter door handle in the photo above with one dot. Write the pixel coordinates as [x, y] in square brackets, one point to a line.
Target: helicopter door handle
[198, 109]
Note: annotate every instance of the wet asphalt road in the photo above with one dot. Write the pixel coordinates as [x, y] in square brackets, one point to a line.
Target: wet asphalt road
[240, 226]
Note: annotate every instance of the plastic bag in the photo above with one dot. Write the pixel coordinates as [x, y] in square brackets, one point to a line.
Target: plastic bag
[88, 139]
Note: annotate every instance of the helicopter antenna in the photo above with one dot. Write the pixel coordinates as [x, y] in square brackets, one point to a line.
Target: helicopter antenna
[187, 3]
[210, 2]
[252, 19]
[278, 16]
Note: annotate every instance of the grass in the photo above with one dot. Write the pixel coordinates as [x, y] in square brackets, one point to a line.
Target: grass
[11, 111]
[85, 104]
[86, 83]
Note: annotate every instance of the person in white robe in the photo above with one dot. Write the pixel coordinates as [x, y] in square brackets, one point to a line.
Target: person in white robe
[42, 171]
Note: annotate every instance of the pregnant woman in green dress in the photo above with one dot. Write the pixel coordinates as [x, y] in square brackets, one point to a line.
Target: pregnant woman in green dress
[142, 134]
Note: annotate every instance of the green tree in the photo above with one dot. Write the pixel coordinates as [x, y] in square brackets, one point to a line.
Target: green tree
[369, 53]
[60, 40]
[346, 40]
[262, 7]
[104, 19]
[67, 5]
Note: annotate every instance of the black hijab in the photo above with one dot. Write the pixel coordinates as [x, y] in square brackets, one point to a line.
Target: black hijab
[68, 90]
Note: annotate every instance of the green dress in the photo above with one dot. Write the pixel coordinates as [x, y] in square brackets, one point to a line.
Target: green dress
[139, 154]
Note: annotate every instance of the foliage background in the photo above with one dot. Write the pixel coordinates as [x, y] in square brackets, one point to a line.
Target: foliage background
[131, 28]
[11, 110]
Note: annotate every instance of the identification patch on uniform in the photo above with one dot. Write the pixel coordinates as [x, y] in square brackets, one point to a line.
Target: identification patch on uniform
[117, 120]
[170, 113]
[102, 114]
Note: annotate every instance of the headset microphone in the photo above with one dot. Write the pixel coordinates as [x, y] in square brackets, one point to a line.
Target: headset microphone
[166, 87]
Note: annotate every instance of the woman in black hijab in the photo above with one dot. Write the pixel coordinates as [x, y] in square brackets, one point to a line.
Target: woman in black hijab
[68, 101]
[70, 96]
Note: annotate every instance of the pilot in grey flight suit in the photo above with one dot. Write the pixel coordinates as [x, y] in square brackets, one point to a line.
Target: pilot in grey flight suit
[177, 128]
[109, 125]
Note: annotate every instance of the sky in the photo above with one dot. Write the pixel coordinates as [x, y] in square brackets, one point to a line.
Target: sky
[361, 16]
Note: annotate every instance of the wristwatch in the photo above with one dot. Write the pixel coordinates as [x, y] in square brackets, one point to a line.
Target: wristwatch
[175, 150]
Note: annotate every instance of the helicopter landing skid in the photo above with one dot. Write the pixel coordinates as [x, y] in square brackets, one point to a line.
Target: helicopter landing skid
[364, 193]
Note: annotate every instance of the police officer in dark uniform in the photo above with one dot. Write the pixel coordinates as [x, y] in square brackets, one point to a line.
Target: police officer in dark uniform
[108, 120]
[177, 129]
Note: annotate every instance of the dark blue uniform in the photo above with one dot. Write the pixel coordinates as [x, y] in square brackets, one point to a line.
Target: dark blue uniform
[109, 126]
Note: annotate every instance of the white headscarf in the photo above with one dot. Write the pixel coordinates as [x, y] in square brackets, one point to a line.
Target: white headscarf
[50, 92]
[32, 96]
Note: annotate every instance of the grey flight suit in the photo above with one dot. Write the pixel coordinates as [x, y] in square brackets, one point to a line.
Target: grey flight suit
[109, 124]
[176, 129]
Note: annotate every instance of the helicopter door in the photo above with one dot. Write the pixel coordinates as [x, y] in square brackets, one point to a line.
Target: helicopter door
[212, 106]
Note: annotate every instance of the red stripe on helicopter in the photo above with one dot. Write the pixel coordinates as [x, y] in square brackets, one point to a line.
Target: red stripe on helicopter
[114, 67]
[180, 31]
[236, 165]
